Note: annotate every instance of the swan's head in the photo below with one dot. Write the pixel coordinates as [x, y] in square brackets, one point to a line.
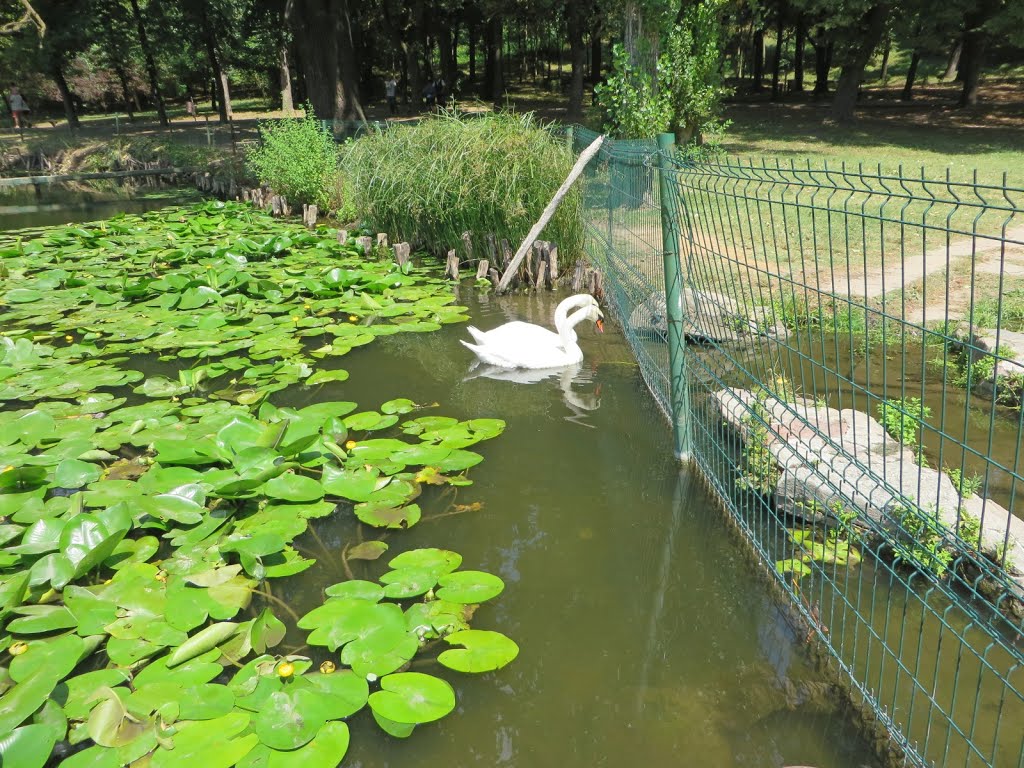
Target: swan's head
[595, 314]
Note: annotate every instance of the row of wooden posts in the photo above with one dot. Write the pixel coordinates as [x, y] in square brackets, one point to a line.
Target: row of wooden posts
[538, 270]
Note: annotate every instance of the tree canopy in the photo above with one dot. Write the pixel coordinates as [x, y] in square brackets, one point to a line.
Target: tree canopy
[337, 54]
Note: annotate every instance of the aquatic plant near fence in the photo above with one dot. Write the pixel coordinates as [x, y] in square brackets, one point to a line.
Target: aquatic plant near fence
[141, 527]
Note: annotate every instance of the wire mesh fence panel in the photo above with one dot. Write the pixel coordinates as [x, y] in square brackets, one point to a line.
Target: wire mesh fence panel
[854, 364]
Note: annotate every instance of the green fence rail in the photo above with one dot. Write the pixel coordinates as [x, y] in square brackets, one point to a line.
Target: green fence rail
[841, 351]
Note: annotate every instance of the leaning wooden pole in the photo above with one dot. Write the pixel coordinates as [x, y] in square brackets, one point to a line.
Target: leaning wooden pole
[585, 157]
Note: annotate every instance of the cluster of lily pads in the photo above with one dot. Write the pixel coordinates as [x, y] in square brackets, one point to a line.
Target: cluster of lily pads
[141, 517]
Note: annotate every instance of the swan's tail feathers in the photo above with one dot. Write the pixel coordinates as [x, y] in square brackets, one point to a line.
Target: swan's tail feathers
[477, 334]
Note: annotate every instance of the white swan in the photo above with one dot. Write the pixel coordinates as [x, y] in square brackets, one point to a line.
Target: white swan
[525, 345]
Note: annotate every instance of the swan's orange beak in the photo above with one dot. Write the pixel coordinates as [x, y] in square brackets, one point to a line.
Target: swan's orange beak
[600, 325]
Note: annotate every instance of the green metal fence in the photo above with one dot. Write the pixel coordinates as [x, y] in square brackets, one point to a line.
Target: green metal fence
[841, 351]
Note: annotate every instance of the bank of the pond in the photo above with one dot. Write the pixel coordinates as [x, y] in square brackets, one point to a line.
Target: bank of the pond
[54, 206]
[210, 341]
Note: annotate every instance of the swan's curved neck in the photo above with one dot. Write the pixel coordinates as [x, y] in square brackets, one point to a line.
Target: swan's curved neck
[562, 310]
[566, 330]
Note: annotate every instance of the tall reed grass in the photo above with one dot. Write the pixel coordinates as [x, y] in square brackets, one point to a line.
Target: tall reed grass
[448, 174]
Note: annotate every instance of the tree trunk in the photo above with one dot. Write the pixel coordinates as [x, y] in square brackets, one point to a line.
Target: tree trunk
[219, 78]
[757, 76]
[885, 60]
[65, 95]
[154, 80]
[447, 60]
[126, 90]
[318, 38]
[347, 104]
[578, 57]
[472, 52]
[822, 64]
[596, 50]
[777, 63]
[908, 86]
[975, 42]
[225, 92]
[283, 65]
[953, 62]
[872, 26]
[799, 41]
[287, 104]
[214, 101]
[496, 83]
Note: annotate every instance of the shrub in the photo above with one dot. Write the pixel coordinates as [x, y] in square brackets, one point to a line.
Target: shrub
[297, 158]
[448, 174]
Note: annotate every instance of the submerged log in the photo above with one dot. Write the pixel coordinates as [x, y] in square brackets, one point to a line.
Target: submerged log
[402, 254]
[342, 236]
[542, 270]
[552, 266]
[492, 249]
[481, 269]
[309, 214]
[382, 239]
[365, 244]
[452, 266]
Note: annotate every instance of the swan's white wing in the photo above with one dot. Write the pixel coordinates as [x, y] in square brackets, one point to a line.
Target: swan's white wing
[515, 333]
[480, 337]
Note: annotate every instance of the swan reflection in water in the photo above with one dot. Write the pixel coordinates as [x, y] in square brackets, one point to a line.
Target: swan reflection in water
[578, 402]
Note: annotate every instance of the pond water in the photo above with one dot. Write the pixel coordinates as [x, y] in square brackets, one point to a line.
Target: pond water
[643, 633]
[646, 635]
[59, 206]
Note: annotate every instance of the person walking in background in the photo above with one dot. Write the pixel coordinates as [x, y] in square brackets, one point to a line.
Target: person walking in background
[429, 93]
[190, 107]
[391, 92]
[19, 109]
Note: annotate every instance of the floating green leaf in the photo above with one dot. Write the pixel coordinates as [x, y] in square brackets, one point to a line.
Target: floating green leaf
[413, 698]
[483, 651]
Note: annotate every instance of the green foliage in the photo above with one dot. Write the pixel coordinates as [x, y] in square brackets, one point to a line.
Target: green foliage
[682, 94]
[297, 158]
[838, 546]
[761, 471]
[921, 545]
[966, 486]
[1004, 311]
[903, 419]
[153, 562]
[449, 174]
[969, 529]
[829, 316]
[633, 106]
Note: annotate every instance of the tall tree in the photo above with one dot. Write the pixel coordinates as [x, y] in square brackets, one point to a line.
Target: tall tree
[323, 29]
[147, 52]
[855, 56]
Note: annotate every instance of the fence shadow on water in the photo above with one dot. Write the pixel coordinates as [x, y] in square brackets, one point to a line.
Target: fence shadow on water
[849, 375]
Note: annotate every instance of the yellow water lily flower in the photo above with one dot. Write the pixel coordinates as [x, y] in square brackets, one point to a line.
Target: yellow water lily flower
[352, 318]
[285, 670]
[350, 445]
[327, 668]
[69, 337]
[17, 648]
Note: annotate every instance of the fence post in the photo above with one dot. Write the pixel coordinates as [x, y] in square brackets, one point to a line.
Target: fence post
[670, 236]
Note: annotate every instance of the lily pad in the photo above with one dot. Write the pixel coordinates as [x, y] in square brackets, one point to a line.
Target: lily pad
[469, 587]
[483, 651]
[413, 698]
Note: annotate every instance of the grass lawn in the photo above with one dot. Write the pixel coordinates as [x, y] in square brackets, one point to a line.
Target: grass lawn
[928, 132]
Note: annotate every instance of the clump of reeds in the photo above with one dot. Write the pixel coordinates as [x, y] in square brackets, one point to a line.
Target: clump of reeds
[488, 175]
